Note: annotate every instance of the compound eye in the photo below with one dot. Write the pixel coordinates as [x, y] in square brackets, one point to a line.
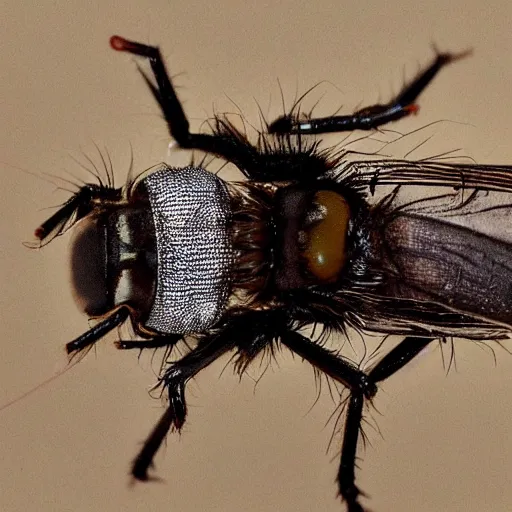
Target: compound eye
[325, 249]
[88, 268]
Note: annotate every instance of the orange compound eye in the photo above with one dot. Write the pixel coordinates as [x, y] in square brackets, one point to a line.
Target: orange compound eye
[325, 253]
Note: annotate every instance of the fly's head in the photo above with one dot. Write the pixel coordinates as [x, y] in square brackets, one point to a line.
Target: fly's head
[161, 249]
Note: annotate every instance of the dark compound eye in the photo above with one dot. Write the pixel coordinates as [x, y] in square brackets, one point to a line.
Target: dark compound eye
[89, 268]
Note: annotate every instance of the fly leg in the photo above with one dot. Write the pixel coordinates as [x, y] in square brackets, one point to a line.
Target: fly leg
[362, 387]
[78, 206]
[155, 342]
[110, 323]
[348, 374]
[249, 334]
[98, 331]
[231, 148]
[174, 380]
[401, 355]
[226, 141]
[373, 116]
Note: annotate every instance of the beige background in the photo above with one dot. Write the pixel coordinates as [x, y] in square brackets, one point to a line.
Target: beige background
[447, 442]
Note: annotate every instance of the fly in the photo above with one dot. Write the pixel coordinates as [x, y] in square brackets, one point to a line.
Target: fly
[243, 266]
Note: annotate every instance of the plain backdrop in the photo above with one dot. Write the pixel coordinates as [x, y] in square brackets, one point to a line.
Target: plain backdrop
[446, 440]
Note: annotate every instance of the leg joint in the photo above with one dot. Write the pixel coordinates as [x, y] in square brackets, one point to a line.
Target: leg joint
[367, 386]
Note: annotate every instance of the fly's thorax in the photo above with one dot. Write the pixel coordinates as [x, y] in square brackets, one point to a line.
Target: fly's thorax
[314, 224]
[252, 231]
[289, 237]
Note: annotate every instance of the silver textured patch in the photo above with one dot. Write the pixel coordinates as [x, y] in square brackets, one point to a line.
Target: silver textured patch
[191, 213]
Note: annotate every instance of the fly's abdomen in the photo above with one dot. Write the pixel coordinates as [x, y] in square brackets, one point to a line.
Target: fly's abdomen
[435, 261]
